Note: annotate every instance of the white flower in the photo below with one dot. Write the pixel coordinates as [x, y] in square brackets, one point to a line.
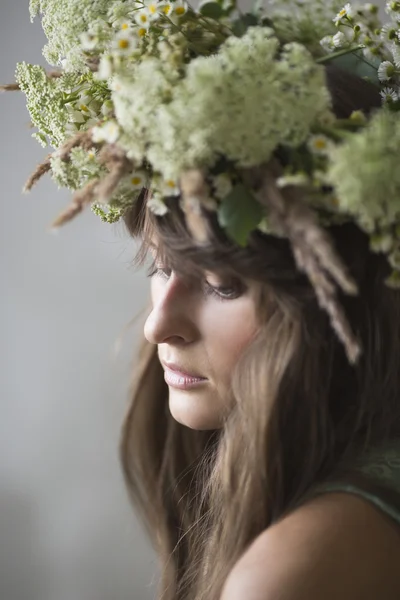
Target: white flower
[386, 70]
[124, 43]
[88, 41]
[75, 116]
[179, 8]
[156, 204]
[105, 68]
[319, 144]
[295, 179]
[152, 8]
[339, 40]
[143, 18]
[109, 132]
[388, 32]
[346, 12]
[327, 42]
[395, 49]
[123, 25]
[166, 7]
[389, 95]
[222, 184]
[136, 180]
[169, 187]
[393, 10]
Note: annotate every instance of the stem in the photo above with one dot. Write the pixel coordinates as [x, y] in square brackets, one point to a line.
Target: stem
[333, 55]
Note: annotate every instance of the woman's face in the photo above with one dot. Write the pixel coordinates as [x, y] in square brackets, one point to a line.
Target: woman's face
[200, 328]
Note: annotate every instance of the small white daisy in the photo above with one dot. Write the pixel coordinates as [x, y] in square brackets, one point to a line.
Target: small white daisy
[319, 144]
[143, 18]
[136, 180]
[153, 8]
[389, 95]
[395, 50]
[347, 12]
[169, 187]
[388, 32]
[340, 40]
[109, 132]
[156, 205]
[124, 43]
[386, 70]
[123, 25]
[179, 8]
[166, 8]
[88, 41]
[327, 42]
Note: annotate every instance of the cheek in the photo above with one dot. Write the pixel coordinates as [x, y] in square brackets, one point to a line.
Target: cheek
[230, 329]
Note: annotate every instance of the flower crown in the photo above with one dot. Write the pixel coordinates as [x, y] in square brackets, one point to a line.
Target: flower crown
[198, 106]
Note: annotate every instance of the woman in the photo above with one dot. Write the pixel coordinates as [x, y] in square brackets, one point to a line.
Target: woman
[245, 406]
[269, 374]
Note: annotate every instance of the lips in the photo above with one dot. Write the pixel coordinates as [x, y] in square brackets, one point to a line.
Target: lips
[181, 371]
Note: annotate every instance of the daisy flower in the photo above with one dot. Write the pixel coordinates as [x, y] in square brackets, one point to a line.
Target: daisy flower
[123, 25]
[156, 204]
[136, 180]
[319, 144]
[388, 32]
[386, 70]
[346, 13]
[340, 40]
[109, 132]
[169, 187]
[125, 42]
[143, 18]
[389, 95]
[179, 8]
[166, 7]
[88, 41]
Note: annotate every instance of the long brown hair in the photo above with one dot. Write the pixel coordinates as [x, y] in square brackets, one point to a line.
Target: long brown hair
[300, 407]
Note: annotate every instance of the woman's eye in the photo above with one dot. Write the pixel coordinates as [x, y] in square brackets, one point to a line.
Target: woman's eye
[221, 292]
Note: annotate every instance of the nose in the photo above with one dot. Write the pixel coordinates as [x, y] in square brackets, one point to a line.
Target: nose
[173, 316]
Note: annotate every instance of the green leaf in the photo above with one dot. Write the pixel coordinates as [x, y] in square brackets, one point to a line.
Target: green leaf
[213, 10]
[241, 25]
[239, 213]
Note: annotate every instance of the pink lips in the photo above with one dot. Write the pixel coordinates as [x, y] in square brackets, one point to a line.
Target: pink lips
[178, 379]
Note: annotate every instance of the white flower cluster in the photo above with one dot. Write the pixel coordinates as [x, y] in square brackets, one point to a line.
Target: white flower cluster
[184, 123]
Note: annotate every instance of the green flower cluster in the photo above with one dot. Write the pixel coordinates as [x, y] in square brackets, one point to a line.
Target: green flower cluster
[366, 177]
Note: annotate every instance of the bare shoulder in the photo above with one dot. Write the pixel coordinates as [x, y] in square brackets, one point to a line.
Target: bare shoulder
[336, 546]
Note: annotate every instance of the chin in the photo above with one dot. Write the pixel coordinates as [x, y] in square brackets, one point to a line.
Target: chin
[192, 412]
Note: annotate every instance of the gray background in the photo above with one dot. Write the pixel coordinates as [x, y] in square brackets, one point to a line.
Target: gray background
[67, 530]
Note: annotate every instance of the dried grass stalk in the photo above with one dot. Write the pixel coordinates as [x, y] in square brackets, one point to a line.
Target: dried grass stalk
[38, 173]
[82, 139]
[195, 195]
[10, 87]
[80, 199]
[313, 250]
[118, 164]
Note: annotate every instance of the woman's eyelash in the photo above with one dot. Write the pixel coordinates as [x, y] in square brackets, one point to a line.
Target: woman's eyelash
[220, 292]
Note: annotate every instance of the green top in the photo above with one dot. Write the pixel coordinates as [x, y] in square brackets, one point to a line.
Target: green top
[373, 475]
